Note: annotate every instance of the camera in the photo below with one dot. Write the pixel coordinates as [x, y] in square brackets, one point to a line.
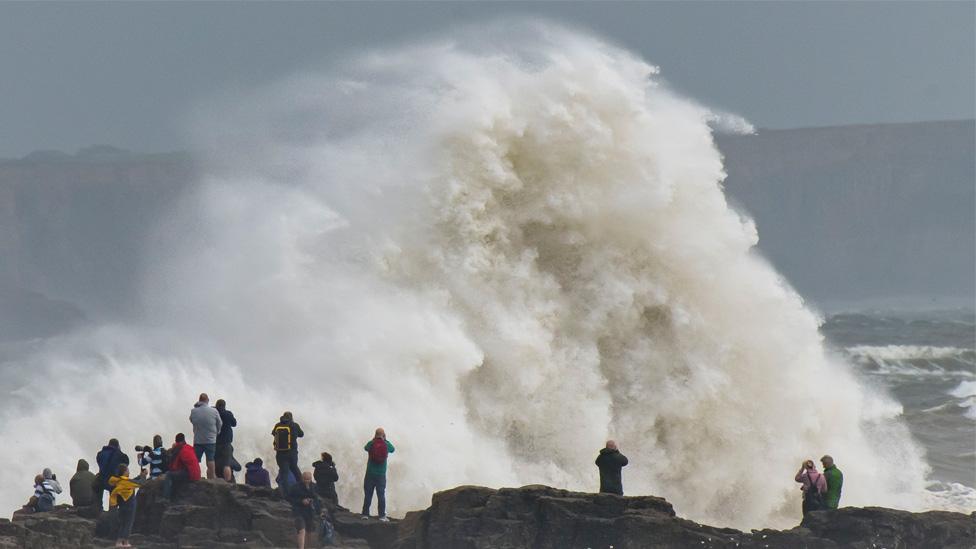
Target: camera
[144, 448]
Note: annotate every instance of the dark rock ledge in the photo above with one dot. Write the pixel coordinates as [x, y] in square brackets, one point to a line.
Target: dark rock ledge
[218, 515]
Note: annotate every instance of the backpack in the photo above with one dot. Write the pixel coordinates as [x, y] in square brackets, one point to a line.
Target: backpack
[813, 496]
[378, 451]
[282, 438]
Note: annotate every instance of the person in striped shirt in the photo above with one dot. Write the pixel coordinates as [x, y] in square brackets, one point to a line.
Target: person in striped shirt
[154, 458]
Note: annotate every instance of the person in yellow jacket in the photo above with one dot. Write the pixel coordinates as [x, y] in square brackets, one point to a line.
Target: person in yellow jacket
[123, 494]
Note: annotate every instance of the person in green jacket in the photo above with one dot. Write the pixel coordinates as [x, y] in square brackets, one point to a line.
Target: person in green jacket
[379, 449]
[835, 481]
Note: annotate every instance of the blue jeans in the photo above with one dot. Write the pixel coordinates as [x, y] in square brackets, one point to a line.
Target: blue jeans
[127, 516]
[378, 483]
[209, 449]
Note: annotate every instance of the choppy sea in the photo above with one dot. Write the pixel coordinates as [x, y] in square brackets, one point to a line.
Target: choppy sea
[927, 361]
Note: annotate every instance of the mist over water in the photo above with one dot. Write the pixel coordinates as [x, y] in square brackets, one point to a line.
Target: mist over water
[503, 249]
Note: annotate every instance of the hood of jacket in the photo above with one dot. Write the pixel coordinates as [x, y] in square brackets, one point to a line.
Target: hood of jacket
[82, 466]
[201, 403]
[253, 467]
[608, 451]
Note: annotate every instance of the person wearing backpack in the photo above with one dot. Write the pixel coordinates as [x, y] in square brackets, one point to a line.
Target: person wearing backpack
[813, 485]
[379, 450]
[285, 437]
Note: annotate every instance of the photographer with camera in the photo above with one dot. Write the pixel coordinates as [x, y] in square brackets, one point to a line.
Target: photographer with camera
[154, 458]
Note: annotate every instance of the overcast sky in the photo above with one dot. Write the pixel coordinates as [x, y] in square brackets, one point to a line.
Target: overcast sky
[126, 74]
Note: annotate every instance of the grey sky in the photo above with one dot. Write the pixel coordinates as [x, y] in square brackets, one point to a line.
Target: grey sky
[127, 73]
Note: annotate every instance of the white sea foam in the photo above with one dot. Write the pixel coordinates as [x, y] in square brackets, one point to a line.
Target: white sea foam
[505, 252]
[910, 352]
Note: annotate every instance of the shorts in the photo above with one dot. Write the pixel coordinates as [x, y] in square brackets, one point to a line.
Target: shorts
[304, 521]
[209, 449]
[224, 456]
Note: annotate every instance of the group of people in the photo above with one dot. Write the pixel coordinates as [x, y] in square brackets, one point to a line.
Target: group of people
[821, 491]
[213, 436]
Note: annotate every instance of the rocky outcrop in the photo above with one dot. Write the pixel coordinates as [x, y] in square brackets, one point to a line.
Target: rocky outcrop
[219, 515]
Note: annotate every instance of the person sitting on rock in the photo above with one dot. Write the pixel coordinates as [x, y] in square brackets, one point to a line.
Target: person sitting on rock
[326, 476]
[184, 466]
[305, 504]
[44, 494]
[835, 481]
[154, 458]
[82, 486]
[206, 425]
[256, 474]
[611, 461]
[379, 450]
[225, 438]
[285, 441]
[108, 459]
[51, 480]
[813, 485]
[123, 496]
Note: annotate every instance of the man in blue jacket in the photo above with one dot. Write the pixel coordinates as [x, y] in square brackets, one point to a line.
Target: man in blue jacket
[108, 459]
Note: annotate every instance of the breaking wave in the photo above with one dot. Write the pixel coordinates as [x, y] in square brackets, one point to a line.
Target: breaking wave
[505, 250]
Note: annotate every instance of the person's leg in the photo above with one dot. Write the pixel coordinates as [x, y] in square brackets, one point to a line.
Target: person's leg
[381, 494]
[167, 485]
[368, 493]
[301, 539]
[198, 450]
[281, 458]
[210, 450]
[127, 516]
[293, 465]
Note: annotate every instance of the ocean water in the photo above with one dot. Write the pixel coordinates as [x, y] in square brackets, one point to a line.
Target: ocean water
[504, 246]
[927, 361]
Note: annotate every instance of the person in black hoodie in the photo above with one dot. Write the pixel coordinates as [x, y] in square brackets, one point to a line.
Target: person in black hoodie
[108, 460]
[611, 461]
[326, 476]
[305, 504]
[286, 434]
[225, 450]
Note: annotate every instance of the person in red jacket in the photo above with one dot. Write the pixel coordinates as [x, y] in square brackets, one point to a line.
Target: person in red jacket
[183, 466]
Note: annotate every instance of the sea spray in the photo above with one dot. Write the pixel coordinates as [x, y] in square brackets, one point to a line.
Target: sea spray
[504, 247]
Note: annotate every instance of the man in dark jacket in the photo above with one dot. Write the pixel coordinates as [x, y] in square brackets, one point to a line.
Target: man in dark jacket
[305, 505]
[611, 461]
[82, 486]
[325, 478]
[108, 460]
[285, 440]
[225, 450]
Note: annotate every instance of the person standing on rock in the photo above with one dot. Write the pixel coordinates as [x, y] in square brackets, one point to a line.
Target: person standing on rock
[108, 459]
[285, 441]
[225, 449]
[184, 466]
[379, 450]
[611, 461]
[326, 476]
[813, 485]
[835, 481]
[305, 505]
[82, 486]
[123, 495]
[206, 425]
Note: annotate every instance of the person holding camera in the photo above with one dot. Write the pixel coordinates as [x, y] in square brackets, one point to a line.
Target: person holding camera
[153, 458]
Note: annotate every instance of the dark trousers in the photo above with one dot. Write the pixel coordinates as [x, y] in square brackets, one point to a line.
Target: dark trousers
[378, 483]
[127, 516]
[171, 479]
[288, 461]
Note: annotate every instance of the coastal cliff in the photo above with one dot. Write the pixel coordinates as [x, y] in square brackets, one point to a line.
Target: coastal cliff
[218, 515]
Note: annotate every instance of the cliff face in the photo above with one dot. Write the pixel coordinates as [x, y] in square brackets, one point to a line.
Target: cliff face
[862, 212]
[215, 514]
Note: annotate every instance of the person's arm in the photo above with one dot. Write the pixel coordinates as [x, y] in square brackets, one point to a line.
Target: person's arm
[220, 423]
[389, 447]
[297, 430]
[231, 420]
[368, 444]
[799, 476]
[599, 460]
[623, 460]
